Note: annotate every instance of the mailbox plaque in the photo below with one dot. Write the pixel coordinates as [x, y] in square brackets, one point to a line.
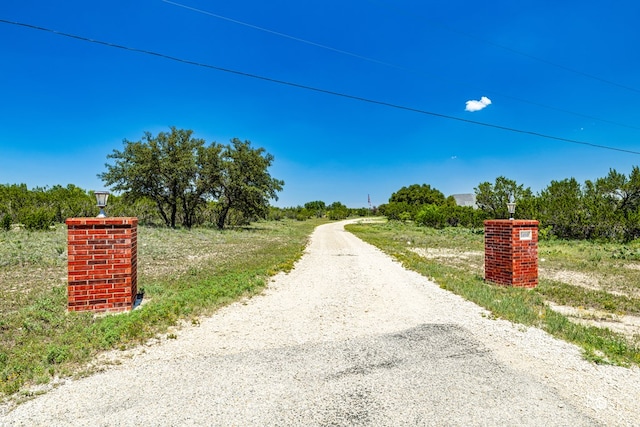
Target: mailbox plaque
[525, 234]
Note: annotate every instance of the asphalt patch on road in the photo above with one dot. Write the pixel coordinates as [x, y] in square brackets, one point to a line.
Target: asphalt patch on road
[433, 374]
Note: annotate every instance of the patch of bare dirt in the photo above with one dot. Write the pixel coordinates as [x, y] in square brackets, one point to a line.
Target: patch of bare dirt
[626, 325]
[586, 281]
[469, 259]
[574, 278]
[629, 326]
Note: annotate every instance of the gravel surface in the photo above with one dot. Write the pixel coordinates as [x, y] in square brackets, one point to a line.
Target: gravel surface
[349, 337]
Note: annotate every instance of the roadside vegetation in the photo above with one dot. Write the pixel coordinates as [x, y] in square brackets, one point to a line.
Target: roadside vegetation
[604, 209]
[207, 236]
[589, 293]
[174, 180]
[184, 274]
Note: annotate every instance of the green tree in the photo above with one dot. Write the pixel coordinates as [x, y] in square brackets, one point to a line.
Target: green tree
[14, 198]
[40, 207]
[561, 207]
[405, 203]
[318, 207]
[70, 202]
[337, 210]
[493, 198]
[613, 203]
[173, 169]
[244, 182]
[463, 216]
[397, 211]
[418, 195]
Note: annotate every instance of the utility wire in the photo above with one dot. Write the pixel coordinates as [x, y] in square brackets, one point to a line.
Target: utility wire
[398, 67]
[287, 36]
[314, 89]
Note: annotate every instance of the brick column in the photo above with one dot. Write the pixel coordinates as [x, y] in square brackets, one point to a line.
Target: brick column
[511, 252]
[102, 266]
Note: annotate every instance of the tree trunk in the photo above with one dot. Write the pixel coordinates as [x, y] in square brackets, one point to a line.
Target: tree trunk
[188, 212]
[174, 210]
[163, 214]
[223, 217]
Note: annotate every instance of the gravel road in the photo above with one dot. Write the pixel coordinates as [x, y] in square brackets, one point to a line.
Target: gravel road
[349, 337]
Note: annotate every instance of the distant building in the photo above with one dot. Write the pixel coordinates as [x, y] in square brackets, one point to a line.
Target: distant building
[465, 200]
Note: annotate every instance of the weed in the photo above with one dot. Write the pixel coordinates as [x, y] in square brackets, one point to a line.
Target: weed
[56, 354]
[626, 253]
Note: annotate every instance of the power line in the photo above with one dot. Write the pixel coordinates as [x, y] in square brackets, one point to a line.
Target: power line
[314, 89]
[277, 33]
[398, 67]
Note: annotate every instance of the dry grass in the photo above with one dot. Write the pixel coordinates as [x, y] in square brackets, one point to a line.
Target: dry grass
[185, 274]
[607, 279]
[34, 262]
[582, 283]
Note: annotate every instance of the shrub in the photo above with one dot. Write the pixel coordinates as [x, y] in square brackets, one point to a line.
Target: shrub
[37, 219]
[6, 222]
[431, 216]
[399, 211]
[337, 214]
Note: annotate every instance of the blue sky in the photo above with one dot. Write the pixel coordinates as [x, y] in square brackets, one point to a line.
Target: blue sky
[566, 69]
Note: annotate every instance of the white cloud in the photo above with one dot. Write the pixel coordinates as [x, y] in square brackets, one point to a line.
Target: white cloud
[473, 105]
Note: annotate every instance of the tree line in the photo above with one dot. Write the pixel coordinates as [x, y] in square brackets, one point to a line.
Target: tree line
[607, 208]
[428, 206]
[171, 179]
[40, 208]
[319, 209]
[174, 179]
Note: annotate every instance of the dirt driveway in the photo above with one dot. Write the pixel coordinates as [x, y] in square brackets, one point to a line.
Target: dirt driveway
[347, 338]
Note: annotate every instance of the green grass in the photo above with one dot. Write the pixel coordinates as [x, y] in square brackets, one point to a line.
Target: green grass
[184, 274]
[527, 307]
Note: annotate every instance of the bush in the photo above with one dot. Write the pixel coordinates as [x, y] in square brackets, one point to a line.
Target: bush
[37, 219]
[431, 216]
[275, 214]
[6, 222]
[399, 211]
[338, 214]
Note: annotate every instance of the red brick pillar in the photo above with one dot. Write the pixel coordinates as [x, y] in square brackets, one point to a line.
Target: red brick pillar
[511, 252]
[102, 266]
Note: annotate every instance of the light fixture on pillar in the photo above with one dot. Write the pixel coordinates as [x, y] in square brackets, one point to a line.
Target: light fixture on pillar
[511, 206]
[101, 199]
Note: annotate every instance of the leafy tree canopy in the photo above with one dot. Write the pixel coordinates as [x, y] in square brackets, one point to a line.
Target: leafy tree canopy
[181, 174]
[493, 198]
[418, 195]
[244, 181]
[316, 205]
